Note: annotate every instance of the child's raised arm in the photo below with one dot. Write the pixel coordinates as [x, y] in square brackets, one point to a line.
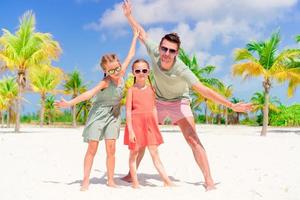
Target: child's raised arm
[84, 96]
[131, 51]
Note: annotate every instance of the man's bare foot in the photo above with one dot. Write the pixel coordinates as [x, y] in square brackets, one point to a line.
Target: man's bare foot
[84, 188]
[84, 185]
[127, 178]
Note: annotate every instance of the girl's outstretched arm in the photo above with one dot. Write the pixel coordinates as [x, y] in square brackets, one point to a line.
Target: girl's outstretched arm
[84, 96]
[131, 51]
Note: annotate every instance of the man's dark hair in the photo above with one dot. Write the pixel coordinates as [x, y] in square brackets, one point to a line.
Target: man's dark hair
[171, 37]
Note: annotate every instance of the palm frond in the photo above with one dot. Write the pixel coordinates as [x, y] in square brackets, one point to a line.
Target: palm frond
[248, 69]
[298, 38]
[244, 54]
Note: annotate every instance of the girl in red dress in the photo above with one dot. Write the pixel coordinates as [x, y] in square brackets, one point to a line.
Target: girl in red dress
[141, 122]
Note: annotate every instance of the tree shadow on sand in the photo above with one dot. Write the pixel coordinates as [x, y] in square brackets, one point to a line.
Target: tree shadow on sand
[297, 132]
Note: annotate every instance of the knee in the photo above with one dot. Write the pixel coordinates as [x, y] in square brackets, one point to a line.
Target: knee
[92, 151]
[194, 141]
[111, 150]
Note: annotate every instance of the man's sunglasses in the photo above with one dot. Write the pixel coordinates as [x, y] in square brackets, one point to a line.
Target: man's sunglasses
[113, 71]
[144, 71]
[165, 50]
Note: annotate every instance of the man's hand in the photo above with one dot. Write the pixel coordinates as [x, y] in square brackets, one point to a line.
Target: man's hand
[242, 107]
[126, 8]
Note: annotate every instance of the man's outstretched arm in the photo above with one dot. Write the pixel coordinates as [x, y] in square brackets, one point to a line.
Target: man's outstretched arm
[132, 21]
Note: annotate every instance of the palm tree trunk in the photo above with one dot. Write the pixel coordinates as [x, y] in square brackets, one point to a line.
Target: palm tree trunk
[20, 78]
[219, 115]
[226, 116]
[8, 118]
[237, 118]
[205, 112]
[2, 119]
[74, 116]
[267, 86]
[42, 114]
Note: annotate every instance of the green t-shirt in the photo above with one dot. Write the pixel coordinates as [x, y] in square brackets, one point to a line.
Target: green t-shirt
[173, 84]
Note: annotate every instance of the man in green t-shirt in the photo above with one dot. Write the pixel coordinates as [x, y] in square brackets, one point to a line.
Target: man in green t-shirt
[172, 83]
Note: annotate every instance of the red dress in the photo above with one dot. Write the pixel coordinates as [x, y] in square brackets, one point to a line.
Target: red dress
[144, 120]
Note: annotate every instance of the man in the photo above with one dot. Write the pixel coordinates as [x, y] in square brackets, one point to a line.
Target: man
[172, 82]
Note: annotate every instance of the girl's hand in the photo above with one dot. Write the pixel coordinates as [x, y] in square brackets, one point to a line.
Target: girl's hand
[242, 107]
[136, 33]
[126, 8]
[62, 103]
[132, 138]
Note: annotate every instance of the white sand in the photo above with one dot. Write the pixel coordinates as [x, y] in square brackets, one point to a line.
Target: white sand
[46, 163]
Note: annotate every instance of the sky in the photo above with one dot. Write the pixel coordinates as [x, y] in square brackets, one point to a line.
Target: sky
[209, 29]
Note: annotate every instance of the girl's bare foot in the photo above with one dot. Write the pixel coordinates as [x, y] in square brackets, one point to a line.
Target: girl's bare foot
[127, 178]
[210, 186]
[169, 184]
[136, 186]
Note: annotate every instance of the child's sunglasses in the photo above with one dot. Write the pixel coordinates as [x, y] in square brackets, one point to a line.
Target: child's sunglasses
[144, 71]
[113, 71]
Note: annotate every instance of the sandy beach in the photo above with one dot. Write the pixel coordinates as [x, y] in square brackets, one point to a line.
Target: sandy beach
[47, 164]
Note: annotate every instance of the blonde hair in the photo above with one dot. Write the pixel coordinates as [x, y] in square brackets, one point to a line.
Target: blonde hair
[107, 58]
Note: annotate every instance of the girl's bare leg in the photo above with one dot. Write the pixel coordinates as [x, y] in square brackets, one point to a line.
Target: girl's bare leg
[132, 167]
[140, 156]
[110, 146]
[159, 166]
[88, 162]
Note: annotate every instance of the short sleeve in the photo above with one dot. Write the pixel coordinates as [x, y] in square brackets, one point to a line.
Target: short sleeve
[151, 46]
[189, 76]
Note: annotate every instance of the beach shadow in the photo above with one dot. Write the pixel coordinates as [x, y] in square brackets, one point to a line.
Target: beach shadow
[297, 132]
[144, 179]
[201, 183]
[21, 132]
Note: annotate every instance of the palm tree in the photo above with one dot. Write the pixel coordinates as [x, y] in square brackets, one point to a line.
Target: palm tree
[226, 91]
[50, 110]
[201, 73]
[258, 101]
[298, 38]
[270, 65]
[3, 107]
[26, 49]
[3, 67]
[128, 83]
[236, 119]
[74, 86]
[44, 80]
[83, 110]
[9, 92]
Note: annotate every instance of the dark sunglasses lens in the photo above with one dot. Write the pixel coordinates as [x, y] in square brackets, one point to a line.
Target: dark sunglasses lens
[137, 71]
[145, 71]
[164, 49]
[172, 51]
